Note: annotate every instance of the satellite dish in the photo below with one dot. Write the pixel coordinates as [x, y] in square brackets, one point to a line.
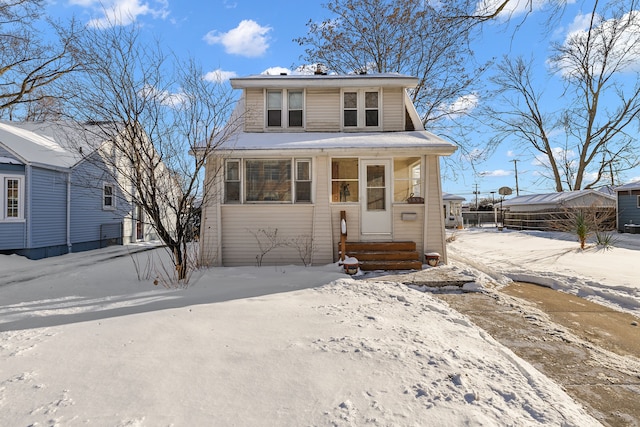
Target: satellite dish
[505, 191]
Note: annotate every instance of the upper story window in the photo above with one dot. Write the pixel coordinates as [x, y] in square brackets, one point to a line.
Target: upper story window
[361, 108]
[12, 194]
[108, 196]
[289, 101]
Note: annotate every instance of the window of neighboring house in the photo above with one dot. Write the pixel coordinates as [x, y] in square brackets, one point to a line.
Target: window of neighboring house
[406, 178]
[638, 203]
[232, 181]
[344, 180]
[361, 109]
[108, 196]
[12, 196]
[303, 180]
[274, 108]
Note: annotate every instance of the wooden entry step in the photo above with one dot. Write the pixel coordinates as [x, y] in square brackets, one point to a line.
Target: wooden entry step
[385, 255]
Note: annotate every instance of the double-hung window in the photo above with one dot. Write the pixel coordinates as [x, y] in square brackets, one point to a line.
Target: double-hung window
[267, 181]
[303, 180]
[281, 101]
[361, 108]
[12, 197]
[108, 196]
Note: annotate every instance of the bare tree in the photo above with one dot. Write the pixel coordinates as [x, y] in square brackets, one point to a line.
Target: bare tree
[400, 36]
[161, 118]
[28, 64]
[591, 130]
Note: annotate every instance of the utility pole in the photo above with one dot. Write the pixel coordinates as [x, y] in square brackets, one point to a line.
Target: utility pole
[477, 213]
[515, 165]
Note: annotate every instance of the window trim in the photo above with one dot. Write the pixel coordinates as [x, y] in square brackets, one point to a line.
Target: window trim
[21, 196]
[361, 109]
[243, 170]
[284, 109]
[239, 181]
[113, 187]
[296, 180]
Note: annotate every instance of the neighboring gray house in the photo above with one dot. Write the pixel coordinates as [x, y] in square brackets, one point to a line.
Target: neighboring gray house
[628, 207]
[536, 211]
[56, 199]
[452, 208]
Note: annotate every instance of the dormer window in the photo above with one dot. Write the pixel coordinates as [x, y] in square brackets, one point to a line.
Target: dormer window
[361, 108]
[291, 101]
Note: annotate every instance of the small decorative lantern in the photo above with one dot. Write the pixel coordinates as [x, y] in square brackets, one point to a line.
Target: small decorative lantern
[432, 258]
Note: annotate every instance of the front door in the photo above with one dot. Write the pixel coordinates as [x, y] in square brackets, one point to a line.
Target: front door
[376, 199]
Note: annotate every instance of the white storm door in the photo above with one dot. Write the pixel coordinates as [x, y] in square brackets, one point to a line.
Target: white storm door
[376, 199]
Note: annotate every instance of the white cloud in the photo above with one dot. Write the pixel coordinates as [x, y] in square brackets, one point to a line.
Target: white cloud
[513, 7]
[219, 76]
[169, 99]
[248, 39]
[495, 173]
[625, 33]
[461, 106]
[122, 12]
[274, 71]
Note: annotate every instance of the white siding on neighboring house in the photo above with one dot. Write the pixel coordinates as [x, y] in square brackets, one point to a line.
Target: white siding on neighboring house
[321, 112]
[393, 110]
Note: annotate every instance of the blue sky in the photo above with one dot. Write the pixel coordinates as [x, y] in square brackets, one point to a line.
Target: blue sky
[242, 37]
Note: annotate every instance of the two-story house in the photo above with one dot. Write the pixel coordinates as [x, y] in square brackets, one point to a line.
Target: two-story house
[311, 148]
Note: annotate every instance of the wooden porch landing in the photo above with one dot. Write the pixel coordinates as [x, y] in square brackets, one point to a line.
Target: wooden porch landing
[384, 255]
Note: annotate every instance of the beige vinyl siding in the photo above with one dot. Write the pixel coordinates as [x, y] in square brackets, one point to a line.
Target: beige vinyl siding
[240, 247]
[393, 110]
[353, 225]
[409, 230]
[323, 110]
[322, 235]
[210, 216]
[254, 102]
[434, 239]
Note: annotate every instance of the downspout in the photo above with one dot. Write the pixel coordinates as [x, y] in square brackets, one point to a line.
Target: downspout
[28, 207]
[69, 212]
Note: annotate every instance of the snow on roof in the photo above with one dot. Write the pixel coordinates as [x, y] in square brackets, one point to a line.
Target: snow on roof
[58, 144]
[338, 140]
[552, 198]
[452, 197]
[629, 186]
[31, 147]
[323, 80]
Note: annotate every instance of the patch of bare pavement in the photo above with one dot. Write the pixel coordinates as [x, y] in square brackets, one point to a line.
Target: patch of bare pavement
[590, 350]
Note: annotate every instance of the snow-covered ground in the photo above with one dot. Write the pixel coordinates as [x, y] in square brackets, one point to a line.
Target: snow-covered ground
[84, 341]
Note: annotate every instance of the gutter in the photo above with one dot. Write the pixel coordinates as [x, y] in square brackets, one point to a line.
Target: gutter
[69, 212]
